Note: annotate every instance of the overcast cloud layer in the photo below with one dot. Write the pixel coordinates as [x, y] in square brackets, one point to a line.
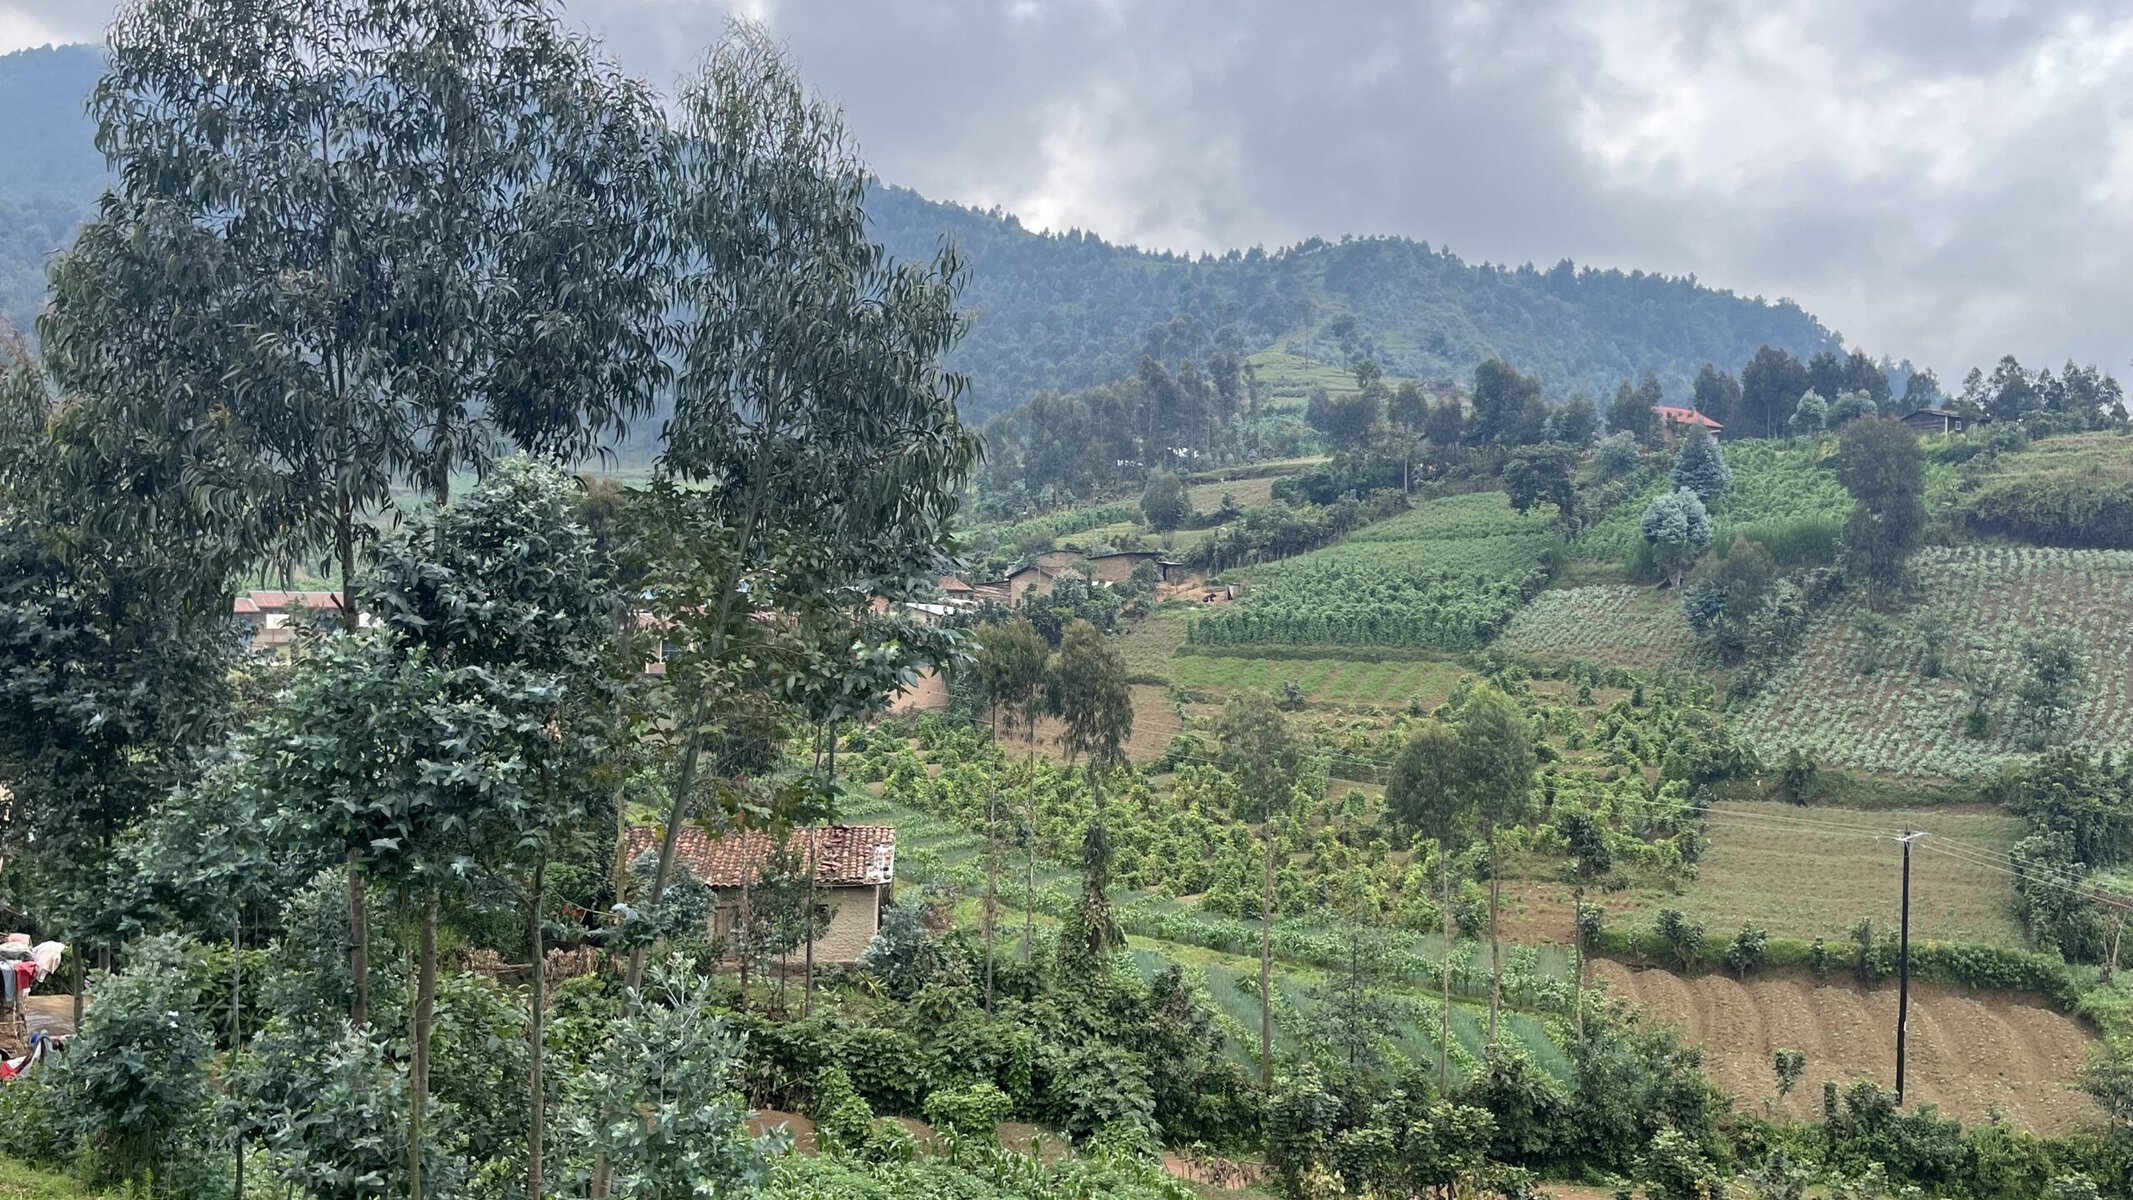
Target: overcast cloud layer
[1939, 181]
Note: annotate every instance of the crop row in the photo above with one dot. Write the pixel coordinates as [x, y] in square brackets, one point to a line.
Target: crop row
[1853, 699]
[1617, 624]
[1449, 574]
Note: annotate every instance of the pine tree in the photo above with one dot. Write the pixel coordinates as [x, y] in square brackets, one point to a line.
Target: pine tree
[1700, 466]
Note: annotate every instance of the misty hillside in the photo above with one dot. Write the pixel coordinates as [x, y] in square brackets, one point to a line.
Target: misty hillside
[1061, 312]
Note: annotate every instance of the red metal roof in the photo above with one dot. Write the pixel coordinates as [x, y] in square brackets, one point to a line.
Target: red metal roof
[845, 855]
[1685, 416]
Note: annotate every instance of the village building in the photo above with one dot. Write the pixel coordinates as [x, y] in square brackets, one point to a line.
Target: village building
[1118, 566]
[855, 870]
[270, 621]
[1673, 422]
[1936, 420]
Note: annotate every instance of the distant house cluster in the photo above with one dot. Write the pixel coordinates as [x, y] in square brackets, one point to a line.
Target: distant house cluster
[1044, 571]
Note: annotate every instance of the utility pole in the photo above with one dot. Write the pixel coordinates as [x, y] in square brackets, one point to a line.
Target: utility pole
[1903, 962]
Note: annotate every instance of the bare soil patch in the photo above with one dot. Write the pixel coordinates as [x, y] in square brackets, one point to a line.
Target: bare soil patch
[1971, 1053]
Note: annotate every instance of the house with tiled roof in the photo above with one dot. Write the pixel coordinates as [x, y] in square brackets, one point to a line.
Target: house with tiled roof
[1673, 421]
[270, 620]
[854, 868]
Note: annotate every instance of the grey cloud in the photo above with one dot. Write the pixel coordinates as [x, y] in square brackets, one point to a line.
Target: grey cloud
[1915, 173]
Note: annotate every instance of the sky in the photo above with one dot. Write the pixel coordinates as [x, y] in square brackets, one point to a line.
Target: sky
[1945, 182]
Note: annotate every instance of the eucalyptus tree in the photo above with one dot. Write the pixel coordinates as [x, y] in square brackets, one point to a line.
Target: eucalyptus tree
[1428, 792]
[814, 455]
[1012, 665]
[500, 596]
[1095, 706]
[1261, 753]
[366, 242]
[1496, 764]
[116, 548]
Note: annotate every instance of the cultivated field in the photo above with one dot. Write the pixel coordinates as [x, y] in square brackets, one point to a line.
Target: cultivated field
[1447, 575]
[1608, 623]
[1249, 493]
[1813, 872]
[1898, 722]
[1347, 683]
[1970, 1053]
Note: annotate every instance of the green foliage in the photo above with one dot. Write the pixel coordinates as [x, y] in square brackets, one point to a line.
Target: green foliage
[1676, 1168]
[902, 955]
[1902, 722]
[1747, 950]
[1164, 503]
[1448, 574]
[1880, 463]
[973, 1113]
[2067, 491]
[2053, 673]
[1678, 529]
[670, 1066]
[132, 1087]
[1700, 467]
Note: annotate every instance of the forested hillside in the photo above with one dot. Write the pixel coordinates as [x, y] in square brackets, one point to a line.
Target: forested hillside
[1067, 311]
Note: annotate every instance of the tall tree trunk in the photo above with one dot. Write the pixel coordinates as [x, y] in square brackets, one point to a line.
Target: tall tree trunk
[425, 1016]
[1029, 848]
[808, 931]
[992, 886]
[536, 1088]
[745, 916]
[1495, 943]
[1577, 945]
[625, 640]
[1444, 1013]
[358, 940]
[237, 1025]
[1266, 967]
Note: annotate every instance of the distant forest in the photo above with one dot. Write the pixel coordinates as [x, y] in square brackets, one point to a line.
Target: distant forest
[1065, 312]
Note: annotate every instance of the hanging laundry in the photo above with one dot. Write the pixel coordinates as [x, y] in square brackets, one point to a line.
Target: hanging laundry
[47, 956]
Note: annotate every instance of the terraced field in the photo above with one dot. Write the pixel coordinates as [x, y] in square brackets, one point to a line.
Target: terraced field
[1896, 721]
[1837, 866]
[1342, 682]
[1619, 624]
[1973, 1054]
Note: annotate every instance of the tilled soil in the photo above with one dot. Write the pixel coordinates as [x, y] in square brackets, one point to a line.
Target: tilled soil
[1970, 1053]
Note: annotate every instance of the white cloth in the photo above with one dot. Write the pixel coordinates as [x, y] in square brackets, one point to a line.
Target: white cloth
[47, 956]
[16, 939]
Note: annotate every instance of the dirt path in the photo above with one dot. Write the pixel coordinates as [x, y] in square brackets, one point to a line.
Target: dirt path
[1970, 1053]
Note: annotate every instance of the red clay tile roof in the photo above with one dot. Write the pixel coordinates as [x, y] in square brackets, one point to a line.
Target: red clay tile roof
[283, 601]
[845, 855]
[950, 583]
[1685, 416]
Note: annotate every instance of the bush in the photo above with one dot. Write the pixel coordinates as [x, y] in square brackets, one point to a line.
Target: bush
[131, 1088]
[973, 1112]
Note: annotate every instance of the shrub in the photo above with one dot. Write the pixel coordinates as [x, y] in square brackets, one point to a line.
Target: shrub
[973, 1112]
[131, 1086]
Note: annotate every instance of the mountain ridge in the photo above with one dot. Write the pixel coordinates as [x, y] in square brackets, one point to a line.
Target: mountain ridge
[1065, 311]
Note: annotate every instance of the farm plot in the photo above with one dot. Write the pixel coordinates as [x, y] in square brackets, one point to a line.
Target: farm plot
[1618, 624]
[1972, 1054]
[1333, 681]
[1447, 575]
[1248, 493]
[1896, 721]
[1802, 873]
